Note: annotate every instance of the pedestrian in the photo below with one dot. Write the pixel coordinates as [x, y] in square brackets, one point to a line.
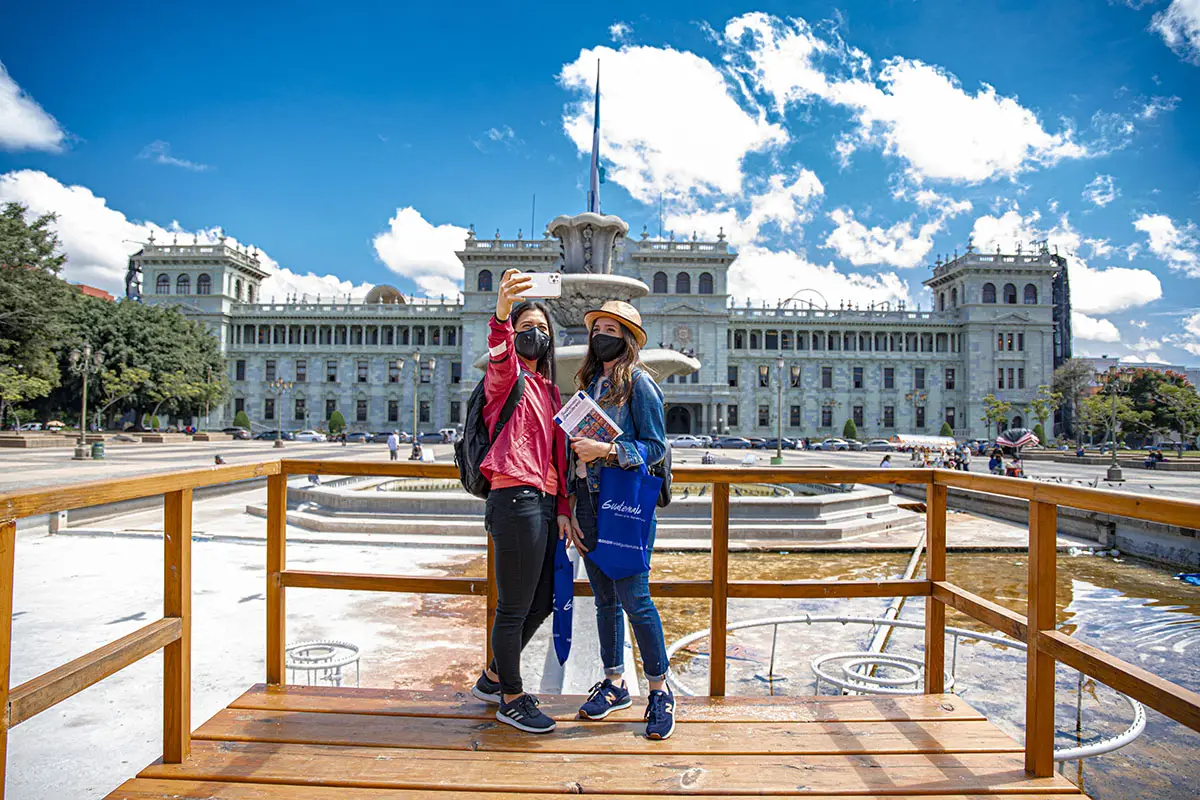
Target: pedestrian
[393, 445]
[886, 462]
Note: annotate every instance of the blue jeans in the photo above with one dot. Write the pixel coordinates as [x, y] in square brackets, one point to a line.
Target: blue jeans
[614, 599]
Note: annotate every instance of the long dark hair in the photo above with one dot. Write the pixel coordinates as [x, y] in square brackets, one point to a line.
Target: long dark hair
[621, 378]
[545, 366]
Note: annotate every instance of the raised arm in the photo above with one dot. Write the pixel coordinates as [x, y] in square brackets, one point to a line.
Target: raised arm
[502, 368]
[649, 425]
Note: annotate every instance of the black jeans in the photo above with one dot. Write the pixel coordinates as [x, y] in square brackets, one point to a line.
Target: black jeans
[521, 522]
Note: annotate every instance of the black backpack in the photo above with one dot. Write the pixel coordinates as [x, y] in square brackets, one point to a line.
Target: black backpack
[473, 446]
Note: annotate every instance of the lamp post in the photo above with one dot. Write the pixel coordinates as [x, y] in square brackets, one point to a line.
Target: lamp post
[778, 459]
[84, 362]
[279, 386]
[1113, 379]
[916, 397]
[416, 379]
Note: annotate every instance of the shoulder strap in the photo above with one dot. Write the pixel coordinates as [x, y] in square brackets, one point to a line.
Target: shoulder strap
[510, 404]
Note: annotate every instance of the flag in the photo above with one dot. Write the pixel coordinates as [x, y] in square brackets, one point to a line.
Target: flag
[594, 183]
[564, 600]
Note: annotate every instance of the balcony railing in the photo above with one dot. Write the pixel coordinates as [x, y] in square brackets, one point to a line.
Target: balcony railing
[172, 633]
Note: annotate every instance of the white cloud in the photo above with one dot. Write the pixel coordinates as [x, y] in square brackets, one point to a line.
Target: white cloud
[786, 203]
[1192, 324]
[916, 111]
[620, 31]
[423, 252]
[25, 125]
[1096, 330]
[502, 134]
[98, 240]
[1101, 191]
[159, 152]
[653, 147]
[1100, 247]
[1157, 105]
[1179, 27]
[895, 246]
[1093, 290]
[1141, 324]
[1179, 246]
[762, 274]
[1145, 358]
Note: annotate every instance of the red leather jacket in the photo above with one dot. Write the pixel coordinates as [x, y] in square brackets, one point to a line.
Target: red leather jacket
[530, 439]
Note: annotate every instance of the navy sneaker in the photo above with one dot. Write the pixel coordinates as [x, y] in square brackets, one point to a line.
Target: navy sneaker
[487, 689]
[605, 698]
[523, 715]
[660, 714]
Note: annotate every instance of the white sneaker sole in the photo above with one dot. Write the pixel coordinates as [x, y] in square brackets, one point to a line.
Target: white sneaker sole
[484, 696]
[584, 715]
[521, 727]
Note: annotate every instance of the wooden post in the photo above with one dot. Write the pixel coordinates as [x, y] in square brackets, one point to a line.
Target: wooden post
[1039, 665]
[177, 602]
[935, 570]
[492, 600]
[8, 547]
[720, 590]
[276, 564]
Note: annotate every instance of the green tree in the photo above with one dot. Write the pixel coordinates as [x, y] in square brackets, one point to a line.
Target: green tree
[946, 430]
[1070, 381]
[1042, 408]
[1096, 413]
[155, 424]
[25, 243]
[17, 387]
[337, 423]
[995, 412]
[1182, 405]
[1040, 432]
[241, 420]
[117, 385]
[850, 430]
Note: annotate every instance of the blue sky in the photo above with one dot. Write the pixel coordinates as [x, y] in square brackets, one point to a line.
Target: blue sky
[841, 149]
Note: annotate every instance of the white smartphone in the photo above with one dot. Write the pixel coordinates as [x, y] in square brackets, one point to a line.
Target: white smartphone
[545, 284]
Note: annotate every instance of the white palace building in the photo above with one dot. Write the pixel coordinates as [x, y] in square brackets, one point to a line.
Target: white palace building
[1000, 324]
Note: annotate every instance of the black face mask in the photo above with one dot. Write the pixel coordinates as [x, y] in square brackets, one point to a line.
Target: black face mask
[533, 344]
[608, 348]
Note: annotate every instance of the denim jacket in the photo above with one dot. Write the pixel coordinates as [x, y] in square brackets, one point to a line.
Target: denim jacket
[641, 421]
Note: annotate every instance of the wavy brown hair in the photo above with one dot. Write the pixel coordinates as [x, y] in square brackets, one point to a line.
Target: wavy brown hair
[621, 377]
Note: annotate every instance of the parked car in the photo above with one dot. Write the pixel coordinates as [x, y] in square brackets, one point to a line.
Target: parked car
[237, 433]
[430, 437]
[266, 436]
[311, 436]
[705, 440]
[755, 441]
[686, 440]
[360, 436]
[856, 445]
[880, 445]
[832, 443]
[770, 444]
[31, 426]
[733, 443]
[449, 435]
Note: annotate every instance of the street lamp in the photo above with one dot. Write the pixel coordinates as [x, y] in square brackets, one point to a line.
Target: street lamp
[416, 379]
[84, 362]
[1114, 380]
[778, 459]
[916, 397]
[278, 387]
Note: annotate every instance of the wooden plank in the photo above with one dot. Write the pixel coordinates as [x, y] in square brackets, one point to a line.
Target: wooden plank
[601, 738]
[276, 565]
[47, 499]
[460, 705]
[151, 789]
[36, 695]
[389, 469]
[811, 589]
[935, 570]
[8, 553]
[1176, 702]
[872, 475]
[1039, 665]
[719, 606]
[646, 772]
[177, 604]
[1002, 619]
[304, 579]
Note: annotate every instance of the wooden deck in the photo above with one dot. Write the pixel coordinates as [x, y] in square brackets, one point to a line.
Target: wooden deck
[317, 743]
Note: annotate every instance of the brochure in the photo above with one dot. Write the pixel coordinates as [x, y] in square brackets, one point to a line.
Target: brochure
[583, 416]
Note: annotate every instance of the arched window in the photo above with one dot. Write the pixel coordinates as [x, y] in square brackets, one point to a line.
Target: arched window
[183, 285]
[250, 293]
[162, 285]
[204, 284]
[1030, 294]
[989, 293]
[484, 282]
[660, 283]
[237, 289]
[941, 301]
[1010, 294]
[706, 283]
[683, 283]
[954, 297]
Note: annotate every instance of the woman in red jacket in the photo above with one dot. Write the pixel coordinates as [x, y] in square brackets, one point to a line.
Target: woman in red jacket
[527, 506]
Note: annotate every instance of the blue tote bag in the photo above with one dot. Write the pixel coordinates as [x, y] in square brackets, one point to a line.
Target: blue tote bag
[564, 600]
[623, 520]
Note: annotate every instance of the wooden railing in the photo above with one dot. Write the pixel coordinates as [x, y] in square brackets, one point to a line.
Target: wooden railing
[1046, 646]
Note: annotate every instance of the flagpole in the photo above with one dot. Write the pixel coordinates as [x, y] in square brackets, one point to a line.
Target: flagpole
[594, 181]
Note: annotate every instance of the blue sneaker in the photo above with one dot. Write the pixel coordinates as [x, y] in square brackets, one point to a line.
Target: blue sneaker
[486, 689]
[660, 714]
[605, 698]
[523, 714]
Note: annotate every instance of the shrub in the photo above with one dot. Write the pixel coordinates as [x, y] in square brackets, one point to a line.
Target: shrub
[337, 423]
[241, 420]
[946, 429]
[154, 423]
[1039, 432]
[850, 431]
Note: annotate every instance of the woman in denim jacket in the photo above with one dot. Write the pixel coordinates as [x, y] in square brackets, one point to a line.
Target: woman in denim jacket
[613, 376]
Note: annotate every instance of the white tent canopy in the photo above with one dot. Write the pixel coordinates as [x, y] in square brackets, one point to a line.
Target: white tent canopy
[914, 440]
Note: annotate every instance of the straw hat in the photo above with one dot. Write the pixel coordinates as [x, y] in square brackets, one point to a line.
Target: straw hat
[623, 313]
